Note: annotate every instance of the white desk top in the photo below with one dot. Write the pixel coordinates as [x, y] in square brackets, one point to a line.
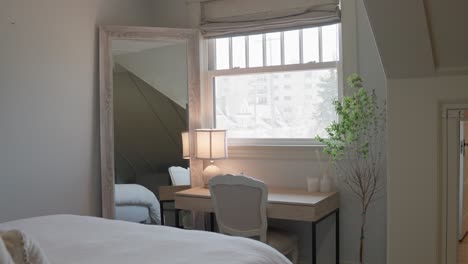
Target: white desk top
[275, 195]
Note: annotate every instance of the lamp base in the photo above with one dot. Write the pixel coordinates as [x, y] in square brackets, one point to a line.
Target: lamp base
[210, 172]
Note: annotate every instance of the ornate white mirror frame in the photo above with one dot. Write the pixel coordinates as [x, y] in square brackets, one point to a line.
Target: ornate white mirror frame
[106, 35]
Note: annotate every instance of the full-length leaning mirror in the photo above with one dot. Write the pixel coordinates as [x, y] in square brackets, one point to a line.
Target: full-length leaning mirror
[147, 75]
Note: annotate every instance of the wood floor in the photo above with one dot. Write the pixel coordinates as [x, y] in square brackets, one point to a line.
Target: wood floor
[463, 252]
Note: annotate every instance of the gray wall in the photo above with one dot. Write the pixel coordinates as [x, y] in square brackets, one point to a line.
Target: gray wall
[49, 117]
[415, 167]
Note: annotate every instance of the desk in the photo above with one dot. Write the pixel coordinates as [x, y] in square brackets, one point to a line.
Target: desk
[283, 203]
[166, 195]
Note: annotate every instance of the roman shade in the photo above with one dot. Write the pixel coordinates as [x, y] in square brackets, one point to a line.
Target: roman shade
[223, 18]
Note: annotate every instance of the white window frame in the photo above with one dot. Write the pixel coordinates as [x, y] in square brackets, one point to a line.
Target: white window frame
[211, 74]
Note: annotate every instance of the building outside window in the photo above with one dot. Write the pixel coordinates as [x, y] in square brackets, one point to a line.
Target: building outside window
[277, 85]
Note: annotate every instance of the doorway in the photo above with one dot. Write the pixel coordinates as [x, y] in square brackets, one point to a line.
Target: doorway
[463, 195]
[454, 191]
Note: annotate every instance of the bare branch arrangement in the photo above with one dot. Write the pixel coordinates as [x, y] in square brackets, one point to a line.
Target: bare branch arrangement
[355, 143]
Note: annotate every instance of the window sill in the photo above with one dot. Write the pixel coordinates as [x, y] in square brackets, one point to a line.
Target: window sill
[277, 152]
[274, 142]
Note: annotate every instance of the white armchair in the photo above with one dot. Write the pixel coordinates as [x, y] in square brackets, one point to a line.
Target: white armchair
[179, 175]
[240, 206]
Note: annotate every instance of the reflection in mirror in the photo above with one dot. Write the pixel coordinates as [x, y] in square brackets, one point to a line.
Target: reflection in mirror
[150, 113]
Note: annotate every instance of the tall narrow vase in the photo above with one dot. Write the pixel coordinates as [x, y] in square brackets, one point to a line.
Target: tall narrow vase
[326, 184]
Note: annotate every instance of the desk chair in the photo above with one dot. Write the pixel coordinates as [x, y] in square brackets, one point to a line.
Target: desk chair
[179, 176]
[240, 205]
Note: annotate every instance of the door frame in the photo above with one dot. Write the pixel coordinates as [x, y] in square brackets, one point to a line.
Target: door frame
[460, 181]
[452, 114]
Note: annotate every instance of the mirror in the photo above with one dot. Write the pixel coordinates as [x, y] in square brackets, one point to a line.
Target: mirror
[150, 110]
[150, 114]
[147, 75]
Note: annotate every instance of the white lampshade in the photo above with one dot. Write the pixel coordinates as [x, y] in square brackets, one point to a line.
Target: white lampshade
[185, 145]
[211, 144]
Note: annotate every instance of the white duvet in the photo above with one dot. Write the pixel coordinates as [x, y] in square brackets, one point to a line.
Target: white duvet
[79, 239]
[135, 194]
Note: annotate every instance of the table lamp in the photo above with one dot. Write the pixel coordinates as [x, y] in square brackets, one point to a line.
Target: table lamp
[185, 145]
[211, 145]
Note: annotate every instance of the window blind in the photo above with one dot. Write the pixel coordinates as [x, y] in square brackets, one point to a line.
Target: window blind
[223, 18]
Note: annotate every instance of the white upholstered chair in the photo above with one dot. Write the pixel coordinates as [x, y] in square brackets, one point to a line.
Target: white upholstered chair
[240, 204]
[179, 176]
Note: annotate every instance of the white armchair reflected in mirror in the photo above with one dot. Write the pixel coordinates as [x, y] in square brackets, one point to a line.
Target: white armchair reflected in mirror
[179, 176]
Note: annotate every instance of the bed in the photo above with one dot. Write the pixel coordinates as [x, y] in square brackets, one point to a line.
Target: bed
[135, 203]
[72, 239]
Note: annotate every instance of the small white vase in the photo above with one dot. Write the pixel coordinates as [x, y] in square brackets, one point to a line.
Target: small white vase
[326, 184]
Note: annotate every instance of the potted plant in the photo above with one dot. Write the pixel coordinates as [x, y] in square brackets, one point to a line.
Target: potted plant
[354, 143]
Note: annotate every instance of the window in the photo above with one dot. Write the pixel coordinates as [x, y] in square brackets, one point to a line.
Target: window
[277, 85]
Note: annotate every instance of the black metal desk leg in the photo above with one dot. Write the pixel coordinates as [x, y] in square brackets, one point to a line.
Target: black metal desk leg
[176, 214]
[212, 222]
[314, 243]
[161, 209]
[337, 233]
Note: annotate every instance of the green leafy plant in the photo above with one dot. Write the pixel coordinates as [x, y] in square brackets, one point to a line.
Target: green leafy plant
[354, 143]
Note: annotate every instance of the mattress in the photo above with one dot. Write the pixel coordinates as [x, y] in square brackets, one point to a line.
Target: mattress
[137, 195]
[79, 239]
[132, 213]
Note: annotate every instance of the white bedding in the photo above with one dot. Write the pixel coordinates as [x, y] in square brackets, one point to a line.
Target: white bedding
[137, 195]
[79, 239]
[133, 213]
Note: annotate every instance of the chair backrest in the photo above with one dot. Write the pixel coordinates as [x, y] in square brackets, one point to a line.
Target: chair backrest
[240, 205]
[179, 176]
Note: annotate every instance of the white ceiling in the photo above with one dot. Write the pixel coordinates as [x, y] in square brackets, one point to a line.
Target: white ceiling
[420, 37]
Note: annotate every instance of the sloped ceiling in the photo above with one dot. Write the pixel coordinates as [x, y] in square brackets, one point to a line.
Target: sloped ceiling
[419, 38]
[449, 30]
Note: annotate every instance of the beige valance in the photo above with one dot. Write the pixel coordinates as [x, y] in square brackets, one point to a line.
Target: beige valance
[221, 18]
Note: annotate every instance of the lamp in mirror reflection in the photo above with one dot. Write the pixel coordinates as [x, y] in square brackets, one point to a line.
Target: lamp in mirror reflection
[211, 144]
[185, 145]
